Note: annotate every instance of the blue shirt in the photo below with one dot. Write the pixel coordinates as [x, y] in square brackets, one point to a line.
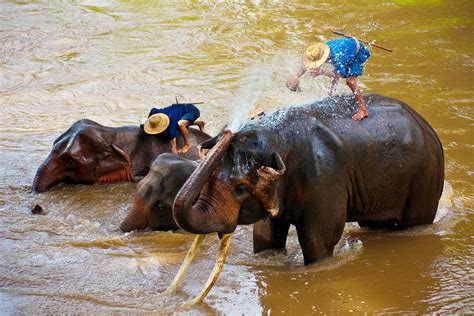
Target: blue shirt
[344, 57]
[176, 112]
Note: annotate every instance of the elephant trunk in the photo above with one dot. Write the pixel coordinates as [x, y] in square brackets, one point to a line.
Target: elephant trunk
[135, 220]
[50, 173]
[206, 214]
[138, 216]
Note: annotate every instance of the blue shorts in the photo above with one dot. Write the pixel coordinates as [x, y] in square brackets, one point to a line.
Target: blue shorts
[191, 116]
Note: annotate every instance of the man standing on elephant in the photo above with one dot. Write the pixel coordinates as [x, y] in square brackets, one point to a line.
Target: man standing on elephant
[340, 58]
[172, 120]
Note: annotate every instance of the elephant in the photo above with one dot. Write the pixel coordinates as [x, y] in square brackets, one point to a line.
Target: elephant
[313, 167]
[90, 153]
[152, 206]
[155, 194]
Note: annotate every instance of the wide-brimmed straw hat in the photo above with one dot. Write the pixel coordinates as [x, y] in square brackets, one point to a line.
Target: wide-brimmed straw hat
[315, 55]
[156, 123]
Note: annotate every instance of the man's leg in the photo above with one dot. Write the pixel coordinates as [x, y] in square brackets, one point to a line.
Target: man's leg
[352, 83]
[183, 128]
[200, 124]
[332, 88]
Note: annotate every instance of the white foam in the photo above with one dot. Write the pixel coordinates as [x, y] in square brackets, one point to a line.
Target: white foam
[251, 87]
[445, 202]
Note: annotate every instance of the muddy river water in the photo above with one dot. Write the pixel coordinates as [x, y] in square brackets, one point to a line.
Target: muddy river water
[110, 61]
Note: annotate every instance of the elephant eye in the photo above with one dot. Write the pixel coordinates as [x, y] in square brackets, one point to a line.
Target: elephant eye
[108, 156]
[69, 160]
[239, 189]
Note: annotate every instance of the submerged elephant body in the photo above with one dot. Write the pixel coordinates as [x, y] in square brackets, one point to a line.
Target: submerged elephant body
[90, 153]
[152, 206]
[314, 167]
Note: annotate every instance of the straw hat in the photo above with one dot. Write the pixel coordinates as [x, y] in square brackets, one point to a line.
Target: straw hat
[315, 55]
[156, 123]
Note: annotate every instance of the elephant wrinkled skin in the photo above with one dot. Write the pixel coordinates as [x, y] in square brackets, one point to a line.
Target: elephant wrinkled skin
[90, 153]
[312, 166]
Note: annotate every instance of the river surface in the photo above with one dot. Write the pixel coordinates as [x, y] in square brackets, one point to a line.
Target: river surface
[110, 61]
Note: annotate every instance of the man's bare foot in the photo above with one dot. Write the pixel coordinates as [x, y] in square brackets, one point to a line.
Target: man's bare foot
[184, 149]
[201, 125]
[360, 115]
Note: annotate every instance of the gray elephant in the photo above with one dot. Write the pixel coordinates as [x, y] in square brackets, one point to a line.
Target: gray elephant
[152, 206]
[90, 153]
[312, 166]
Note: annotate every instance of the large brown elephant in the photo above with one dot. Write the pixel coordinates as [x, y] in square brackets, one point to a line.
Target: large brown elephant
[90, 153]
[314, 167]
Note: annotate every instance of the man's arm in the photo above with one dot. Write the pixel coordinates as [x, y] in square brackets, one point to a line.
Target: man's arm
[174, 148]
[321, 72]
[183, 128]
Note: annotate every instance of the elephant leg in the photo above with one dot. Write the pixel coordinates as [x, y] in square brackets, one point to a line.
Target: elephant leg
[320, 229]
[313, 246]
[420, 208]
[269, 234]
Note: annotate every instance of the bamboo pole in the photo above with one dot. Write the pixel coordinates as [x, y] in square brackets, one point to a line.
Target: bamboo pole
[366, 42]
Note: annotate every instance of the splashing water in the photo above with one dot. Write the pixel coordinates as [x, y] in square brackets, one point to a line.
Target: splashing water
[250, 90]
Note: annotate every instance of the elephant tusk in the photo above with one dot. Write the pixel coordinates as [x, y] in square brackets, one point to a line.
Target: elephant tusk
[224, 248]
[186, 263]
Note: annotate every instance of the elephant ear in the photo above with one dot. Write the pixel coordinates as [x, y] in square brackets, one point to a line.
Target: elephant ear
[266, 189]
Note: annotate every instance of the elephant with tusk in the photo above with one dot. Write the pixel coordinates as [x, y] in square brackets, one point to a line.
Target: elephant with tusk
[155, 194]
[90, 153]
[152, 208]
[313, 167]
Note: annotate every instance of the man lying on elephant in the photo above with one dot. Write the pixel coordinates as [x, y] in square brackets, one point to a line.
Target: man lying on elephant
[168, 122]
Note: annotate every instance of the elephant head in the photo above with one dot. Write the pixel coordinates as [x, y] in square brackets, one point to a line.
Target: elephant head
[237, 183]
[152, 206]
[83, 155]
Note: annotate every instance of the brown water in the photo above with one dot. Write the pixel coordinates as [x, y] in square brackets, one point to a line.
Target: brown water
[111, 61]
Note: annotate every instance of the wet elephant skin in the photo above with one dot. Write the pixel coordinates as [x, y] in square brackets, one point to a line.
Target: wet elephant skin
[314, 167]
[90, 153]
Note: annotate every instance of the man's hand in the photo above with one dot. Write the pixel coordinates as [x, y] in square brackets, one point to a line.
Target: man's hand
[293, 84]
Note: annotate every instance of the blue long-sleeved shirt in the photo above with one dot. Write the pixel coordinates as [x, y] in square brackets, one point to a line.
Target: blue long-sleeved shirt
[176, 112]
